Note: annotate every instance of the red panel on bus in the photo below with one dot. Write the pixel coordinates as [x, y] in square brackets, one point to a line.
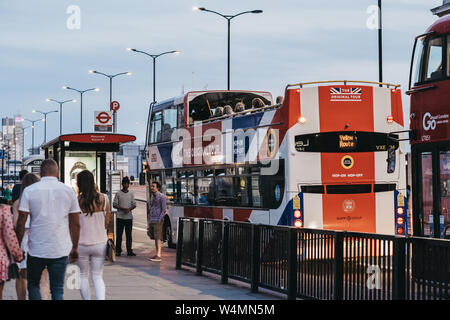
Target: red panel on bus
[346, 168]
[346, 108]
[203, 212]
[396, 106]
[355, 212]
[241, 214]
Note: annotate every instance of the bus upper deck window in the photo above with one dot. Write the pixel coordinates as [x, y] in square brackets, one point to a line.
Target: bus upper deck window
[433, 65]
[448, 56]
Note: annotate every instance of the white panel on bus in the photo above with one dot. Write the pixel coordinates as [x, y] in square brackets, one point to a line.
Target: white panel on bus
[309, 106]
[227, 214]
[381, 110]
[305, 168]
[260, 216]
[313, 210]
[385, 212]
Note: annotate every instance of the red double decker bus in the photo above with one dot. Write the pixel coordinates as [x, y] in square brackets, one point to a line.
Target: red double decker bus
[430, 123]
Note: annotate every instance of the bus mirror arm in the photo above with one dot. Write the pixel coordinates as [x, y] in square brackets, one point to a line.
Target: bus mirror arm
[411, 135]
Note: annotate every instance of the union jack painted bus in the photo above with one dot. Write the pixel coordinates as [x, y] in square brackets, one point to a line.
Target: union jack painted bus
[326, 157]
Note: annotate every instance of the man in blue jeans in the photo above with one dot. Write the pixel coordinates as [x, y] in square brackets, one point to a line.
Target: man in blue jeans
[54, 230]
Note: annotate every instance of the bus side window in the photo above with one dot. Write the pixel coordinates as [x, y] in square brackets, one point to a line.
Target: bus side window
[391, 159]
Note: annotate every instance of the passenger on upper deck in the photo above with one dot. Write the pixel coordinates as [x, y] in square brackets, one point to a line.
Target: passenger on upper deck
[279, 99]
[228, 110]
[257, 103]
[218, 112]
[239, 107]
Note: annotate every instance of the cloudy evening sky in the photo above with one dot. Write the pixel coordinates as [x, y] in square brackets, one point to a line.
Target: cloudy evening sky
[290, 42]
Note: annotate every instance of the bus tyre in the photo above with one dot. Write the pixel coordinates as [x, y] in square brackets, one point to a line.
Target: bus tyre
[168, 234]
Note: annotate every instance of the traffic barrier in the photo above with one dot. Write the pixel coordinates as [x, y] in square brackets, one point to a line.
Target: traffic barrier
[317, 264]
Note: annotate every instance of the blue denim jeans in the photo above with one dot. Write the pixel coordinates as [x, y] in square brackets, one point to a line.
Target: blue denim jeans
[56, 272]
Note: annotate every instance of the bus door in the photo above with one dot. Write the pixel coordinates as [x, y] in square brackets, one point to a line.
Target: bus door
[432, 212]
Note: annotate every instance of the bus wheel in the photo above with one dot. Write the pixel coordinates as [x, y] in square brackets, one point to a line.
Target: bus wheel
[168, 234]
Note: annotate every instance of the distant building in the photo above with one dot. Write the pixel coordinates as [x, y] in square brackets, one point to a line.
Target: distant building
[12, 143]
[442, 10]
[129, 160]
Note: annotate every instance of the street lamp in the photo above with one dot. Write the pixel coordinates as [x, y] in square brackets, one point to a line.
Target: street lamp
[45, 120]
[23, 141]
[111, 76]
[32, 132]
[154, 56]
[60, 110]
[228, 17]
[81, 102]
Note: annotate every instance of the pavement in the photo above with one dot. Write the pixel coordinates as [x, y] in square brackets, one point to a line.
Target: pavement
[137, 278]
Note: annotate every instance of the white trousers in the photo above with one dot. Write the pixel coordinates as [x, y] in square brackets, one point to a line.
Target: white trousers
[94, 256]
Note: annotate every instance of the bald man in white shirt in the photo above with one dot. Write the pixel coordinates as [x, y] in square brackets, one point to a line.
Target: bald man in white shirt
[54, 229]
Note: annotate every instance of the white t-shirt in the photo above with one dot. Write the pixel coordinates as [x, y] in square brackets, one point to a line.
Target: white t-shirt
[49, 203]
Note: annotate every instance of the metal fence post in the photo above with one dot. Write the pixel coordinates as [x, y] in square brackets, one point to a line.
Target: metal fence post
[292, 264]
[179, 243]
[398, 269]
[256, 247]
[200, 246]
[225, 237]
[338, 265]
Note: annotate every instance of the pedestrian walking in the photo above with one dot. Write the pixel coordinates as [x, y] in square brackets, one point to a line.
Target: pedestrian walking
[16, 189]
[125, 203]
[8, 240]
[54, 230]
[93, 236]
[155, 218]
[21, 282]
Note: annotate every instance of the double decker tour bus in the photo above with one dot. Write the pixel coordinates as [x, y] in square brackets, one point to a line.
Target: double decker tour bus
[326, 157]
[429, 120]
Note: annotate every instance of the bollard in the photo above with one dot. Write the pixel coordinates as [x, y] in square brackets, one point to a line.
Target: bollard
[179, 244]
[256, 253]
[338, 265]
[398, 269]
[200, 246]
[225, 237]
[292, 264]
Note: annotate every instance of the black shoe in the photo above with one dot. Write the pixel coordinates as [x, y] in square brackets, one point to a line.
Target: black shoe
[118, 254]
[132, 254]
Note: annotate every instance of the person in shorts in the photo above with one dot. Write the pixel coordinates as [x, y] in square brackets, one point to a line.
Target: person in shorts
[156, 210]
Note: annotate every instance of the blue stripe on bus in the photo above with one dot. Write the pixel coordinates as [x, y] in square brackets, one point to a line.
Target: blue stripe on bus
[248, 121]
[165, 151]
[287, 218]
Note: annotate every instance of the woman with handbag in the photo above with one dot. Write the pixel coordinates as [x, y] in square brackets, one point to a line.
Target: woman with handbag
[8, 239]
[21, 280]
[93, 237]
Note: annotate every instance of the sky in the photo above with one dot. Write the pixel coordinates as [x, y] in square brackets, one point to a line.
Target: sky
[292, 41]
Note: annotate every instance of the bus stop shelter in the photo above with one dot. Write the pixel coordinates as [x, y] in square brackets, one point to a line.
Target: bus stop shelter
[84, 151]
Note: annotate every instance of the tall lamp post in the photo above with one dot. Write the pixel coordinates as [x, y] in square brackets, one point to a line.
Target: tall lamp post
[380, 45]
[111, 76]
[81, 102]
[60, 110]
[23, 141]
[154, 56]
[32, 132]
[45, 120]
[228, 17]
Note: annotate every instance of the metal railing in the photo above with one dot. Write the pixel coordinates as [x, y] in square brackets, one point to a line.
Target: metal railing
[317, 264]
